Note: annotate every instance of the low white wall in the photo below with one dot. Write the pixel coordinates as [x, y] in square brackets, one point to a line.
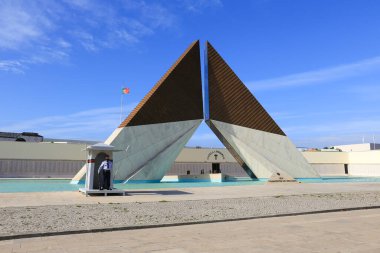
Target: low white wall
[371, 170]
[329, 169]
[39, 168]
[200, 155]
[23, 159]
[354, 147]
[369, 157]
[233, 170]
[42, 151]
[40, 160]
[326, 157]
[195, 168]
[194, 178]
[364, 163]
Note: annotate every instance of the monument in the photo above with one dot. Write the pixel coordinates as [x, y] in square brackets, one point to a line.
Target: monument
[163, 122]
[245, 128]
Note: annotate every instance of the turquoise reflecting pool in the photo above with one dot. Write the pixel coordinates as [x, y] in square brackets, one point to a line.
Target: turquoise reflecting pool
[52, 185]
[340, 180]
[36, 185]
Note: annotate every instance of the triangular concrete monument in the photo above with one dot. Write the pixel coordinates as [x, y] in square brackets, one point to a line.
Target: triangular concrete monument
[158, 128]
[162, 123]
[245, 127]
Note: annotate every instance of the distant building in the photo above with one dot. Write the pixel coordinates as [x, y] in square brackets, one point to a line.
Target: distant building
[53, 140]
[330, 150]
[64, 160]
[24, 136]
[358, 147]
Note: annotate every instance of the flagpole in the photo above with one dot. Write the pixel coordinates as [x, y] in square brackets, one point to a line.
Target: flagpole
[121, 104]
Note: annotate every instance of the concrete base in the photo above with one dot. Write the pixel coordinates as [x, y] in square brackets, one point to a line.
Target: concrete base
[105, 192]
[281, 178]
[214, 178]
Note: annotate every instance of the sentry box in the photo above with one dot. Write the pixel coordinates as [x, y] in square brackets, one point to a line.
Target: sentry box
[96, 155]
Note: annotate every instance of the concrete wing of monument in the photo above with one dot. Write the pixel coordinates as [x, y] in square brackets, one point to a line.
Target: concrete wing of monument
[158, 128]
[246, 129]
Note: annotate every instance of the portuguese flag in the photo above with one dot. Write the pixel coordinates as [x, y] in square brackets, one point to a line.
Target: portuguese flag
[125, 90]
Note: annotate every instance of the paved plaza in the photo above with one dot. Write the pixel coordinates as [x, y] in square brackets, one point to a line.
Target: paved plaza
[355, 231]
[199, 193]
[345, 231]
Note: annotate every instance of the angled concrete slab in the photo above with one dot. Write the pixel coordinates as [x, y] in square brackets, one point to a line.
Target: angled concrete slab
[161, 124]
[246, 129]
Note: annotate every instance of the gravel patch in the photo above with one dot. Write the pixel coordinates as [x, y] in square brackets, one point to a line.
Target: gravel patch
[58, 218]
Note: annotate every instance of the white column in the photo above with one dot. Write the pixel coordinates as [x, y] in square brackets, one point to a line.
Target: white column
[90, 171]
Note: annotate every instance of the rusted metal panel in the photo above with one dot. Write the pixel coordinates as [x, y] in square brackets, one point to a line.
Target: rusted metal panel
[177, 96]
[230, 101]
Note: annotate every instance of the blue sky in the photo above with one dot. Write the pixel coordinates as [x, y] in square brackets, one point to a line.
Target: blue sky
[314, 65]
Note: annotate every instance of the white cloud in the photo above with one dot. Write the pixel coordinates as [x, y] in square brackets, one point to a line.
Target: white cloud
[63, 43]
[126, 36]
[335, 127]
[331, 112]
[95, 124]
[11, 66]
[200, 5]
[82, 4]
[151, 14]
[330, 133]
[25, 34]
[204, 137]
[333, 140]
[21, 26]
[86, 40]
[319, 76]
[365, 92]
[137, 28]
[29, 29]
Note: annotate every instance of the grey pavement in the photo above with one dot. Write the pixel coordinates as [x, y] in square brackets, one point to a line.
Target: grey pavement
[200, 193]
[354, 231]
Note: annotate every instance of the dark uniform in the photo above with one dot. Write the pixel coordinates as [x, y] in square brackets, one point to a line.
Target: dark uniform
[104, 172]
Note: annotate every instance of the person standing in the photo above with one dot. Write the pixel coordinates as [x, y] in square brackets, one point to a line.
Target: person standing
[105, 171]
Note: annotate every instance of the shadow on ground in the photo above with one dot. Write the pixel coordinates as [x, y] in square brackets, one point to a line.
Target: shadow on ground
[161, 192]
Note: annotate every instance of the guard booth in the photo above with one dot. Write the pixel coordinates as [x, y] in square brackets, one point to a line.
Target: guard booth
[95, 156]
